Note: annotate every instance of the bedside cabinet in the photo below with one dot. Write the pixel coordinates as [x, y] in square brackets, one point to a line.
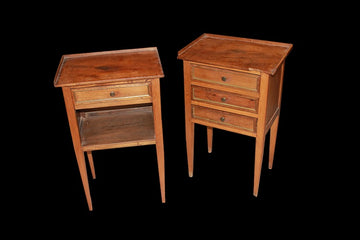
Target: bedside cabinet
[233, 84]
[112, 100]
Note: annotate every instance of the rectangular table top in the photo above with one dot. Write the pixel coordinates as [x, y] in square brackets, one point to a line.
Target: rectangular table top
[234, 52]
[108, 66]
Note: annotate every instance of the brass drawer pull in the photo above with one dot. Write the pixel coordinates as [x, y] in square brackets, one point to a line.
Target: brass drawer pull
[112, 94]
[223, 99]
[223, 79]
[222, 119]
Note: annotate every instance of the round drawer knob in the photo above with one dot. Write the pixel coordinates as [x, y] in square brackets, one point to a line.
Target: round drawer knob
[112, 94]
[223, 79]
[222, 119]
[223, 99]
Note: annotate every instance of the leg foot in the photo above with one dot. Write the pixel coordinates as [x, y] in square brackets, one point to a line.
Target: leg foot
[190, 147]
[80, 157]
[259, 153]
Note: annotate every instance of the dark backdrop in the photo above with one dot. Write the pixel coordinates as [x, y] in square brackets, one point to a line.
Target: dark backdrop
[127, 186]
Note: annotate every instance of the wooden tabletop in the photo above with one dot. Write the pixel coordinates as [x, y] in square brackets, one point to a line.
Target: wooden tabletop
[109, 66]
[235, 52]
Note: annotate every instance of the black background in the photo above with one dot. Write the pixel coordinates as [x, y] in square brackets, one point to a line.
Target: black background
[127, 188]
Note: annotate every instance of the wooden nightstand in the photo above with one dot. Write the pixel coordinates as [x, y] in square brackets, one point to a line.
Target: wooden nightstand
[112, 100]
[233, 84]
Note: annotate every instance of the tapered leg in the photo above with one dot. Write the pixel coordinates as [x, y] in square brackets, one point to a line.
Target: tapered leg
[159, 135]
[80, 157]
[273, 134]
[91, 163]
[74, 129]
[260, 133]
[259, 153]
[190, 147]
[189, 125]
[161, 167]
[209, 138]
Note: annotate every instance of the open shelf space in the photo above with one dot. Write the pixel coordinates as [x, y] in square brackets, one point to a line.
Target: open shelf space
[114, 128]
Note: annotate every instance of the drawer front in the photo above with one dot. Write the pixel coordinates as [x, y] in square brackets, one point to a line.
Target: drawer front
[224, 98]
[224, 118]
[246, 81]
[111, 95]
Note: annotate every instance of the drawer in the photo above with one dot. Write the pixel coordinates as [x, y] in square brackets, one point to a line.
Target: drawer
[111, 95]
[241, 80]
[224, 118]
[224, 98]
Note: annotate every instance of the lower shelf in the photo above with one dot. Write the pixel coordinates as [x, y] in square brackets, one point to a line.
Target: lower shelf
[105, 129]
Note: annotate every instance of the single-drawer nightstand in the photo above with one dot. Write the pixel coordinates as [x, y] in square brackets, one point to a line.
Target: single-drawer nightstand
[112, 100]
[233, 84]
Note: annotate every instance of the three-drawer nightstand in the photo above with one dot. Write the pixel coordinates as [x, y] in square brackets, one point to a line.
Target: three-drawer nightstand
[112, 100]
[233, 84]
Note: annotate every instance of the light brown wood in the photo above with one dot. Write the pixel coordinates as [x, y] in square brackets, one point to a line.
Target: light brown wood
[226, 88]
[224, 118]
[234, 84]
[91, 163]
[247, 81]
[273, 134]
[74, 129]
[224, 108]
[159, 135]
[275, 83]
[189, 130]
[117, 128]
[226, 99]
[112, 100]
[274, 127]
[108, 67]
[237, 53]
[260, 136]
[209, 131]
[122, 94]
[224, 127]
